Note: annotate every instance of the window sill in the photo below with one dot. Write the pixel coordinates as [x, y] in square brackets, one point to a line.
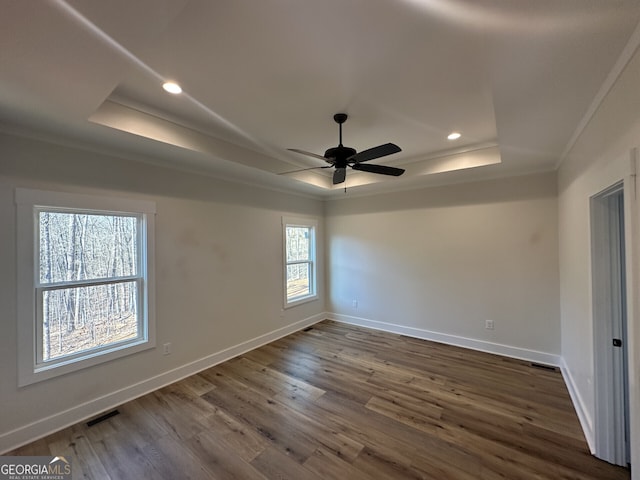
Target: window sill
[45, 372]
[300, 301]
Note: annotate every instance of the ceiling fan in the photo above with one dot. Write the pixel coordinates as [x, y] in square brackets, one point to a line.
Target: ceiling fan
[342, 157]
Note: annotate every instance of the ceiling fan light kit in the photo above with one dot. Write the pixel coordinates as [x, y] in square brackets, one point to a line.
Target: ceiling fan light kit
[342, 157]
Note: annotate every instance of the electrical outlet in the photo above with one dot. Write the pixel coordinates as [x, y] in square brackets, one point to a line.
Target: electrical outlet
[166, 349]
[488, 324]
[355, 304]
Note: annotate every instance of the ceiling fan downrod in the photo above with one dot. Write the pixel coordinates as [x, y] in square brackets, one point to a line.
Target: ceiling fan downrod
[340, 118]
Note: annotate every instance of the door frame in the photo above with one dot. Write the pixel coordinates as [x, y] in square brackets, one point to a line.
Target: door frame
[609, 297]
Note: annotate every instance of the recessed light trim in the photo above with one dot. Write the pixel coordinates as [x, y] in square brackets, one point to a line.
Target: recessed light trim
[454, 136]
[172, 87]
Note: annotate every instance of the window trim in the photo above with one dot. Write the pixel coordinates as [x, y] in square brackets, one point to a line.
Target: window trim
[28, 204]
[306, 222]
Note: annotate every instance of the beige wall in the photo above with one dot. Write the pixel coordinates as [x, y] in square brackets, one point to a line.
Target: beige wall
[600, 158]
[218, 263]
[441, 261]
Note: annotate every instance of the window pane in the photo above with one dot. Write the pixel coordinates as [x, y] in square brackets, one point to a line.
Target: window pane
[83, 246]
[298, 283]
[298, 243]
[83, 318]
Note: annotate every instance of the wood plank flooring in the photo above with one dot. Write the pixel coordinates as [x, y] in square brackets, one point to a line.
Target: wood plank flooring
[342, 402]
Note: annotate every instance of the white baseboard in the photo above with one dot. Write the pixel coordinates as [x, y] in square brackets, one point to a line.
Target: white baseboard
[578, 404]
[480, 345]
[45, 426]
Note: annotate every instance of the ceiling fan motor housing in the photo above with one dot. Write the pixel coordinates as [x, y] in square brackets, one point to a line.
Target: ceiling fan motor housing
[340, 154]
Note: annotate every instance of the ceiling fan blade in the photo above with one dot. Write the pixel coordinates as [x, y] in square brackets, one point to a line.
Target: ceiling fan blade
[383, 169]
[308, 154]
[376, 152]
[304, 169]
[339, 175]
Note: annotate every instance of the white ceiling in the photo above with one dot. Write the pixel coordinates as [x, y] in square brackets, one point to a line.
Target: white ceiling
[515, 77]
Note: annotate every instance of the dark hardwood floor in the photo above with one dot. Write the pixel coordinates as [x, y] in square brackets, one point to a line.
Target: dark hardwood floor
[342, 402]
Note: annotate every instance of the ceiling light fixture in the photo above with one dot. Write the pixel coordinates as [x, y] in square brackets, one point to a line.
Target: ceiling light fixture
[454, 136]
[172, 87]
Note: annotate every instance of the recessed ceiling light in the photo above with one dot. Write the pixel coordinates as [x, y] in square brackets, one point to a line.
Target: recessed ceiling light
[454, 136]
[172, 87]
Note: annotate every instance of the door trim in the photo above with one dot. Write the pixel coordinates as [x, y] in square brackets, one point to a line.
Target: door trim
[609, 273]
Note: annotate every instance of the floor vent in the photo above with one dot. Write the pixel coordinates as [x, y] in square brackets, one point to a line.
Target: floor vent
[102, 418]
[544, 367]
[307, 329]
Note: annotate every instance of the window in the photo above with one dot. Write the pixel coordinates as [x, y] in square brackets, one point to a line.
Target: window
[300, 259]
[85, 281]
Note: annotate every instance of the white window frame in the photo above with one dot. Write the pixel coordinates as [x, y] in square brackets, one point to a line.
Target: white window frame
[29, 203]
[312, 224]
